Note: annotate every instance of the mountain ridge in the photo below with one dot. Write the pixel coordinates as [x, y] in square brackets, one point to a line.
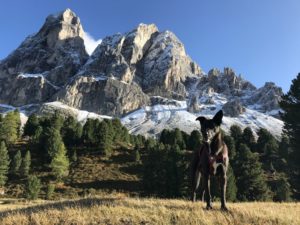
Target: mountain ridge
[126, 72]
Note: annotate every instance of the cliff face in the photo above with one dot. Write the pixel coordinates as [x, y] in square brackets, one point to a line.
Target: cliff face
[125, 72]
[44, 61]
[106, 96]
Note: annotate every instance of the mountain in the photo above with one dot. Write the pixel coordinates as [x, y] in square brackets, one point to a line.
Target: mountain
[143, 76]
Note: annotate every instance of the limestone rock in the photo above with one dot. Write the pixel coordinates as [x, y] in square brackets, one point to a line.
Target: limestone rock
[154, 60]
[19, 90]
[233, 108]
[267, 97]
[103, 96]
[193, 105]
[57, 51]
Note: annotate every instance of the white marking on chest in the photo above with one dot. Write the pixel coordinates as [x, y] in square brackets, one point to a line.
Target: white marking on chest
[215, 166]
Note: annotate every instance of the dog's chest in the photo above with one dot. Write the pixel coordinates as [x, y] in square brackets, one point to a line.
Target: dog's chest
[215, 162]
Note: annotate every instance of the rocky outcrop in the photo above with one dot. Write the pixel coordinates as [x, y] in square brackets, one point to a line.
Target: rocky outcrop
[227, 82]
[166, 66]
[106, 96]
[118, 54]
[233, 108]
[193, 105]
[155, 100]
[22, 90]
[266, 98]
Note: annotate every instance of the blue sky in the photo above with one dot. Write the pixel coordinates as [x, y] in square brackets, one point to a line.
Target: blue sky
[259, 39]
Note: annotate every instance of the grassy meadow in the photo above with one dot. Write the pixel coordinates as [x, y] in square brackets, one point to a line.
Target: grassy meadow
[119, 209]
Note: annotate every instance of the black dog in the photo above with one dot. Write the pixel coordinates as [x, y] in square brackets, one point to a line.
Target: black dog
[211, 159]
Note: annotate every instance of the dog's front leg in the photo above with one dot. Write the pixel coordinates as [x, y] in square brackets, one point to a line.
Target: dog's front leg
[207, 191]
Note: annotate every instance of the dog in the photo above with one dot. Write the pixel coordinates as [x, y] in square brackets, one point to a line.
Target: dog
[211, 159]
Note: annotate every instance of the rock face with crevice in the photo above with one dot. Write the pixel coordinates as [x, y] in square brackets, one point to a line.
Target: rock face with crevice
[103, 96]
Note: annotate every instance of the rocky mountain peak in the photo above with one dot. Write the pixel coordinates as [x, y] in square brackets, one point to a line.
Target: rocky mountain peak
[51, 57]
[266, 98]
[60, 27]
[155, 60]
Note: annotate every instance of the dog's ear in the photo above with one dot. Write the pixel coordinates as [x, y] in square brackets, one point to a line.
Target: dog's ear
[218, 118]
[201, 119]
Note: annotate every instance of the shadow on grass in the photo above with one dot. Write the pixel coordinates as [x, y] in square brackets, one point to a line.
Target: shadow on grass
[113, 185]
[82, 203]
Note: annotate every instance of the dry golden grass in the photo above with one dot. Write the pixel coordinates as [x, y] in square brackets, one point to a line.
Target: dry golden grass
[123, 210]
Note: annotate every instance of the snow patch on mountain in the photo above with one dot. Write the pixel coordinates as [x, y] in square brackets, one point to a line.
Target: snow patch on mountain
[151, 120]
[81, 115]
[38, 75]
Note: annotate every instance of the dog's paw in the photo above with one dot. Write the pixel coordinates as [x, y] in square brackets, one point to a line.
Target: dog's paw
[224, 208]
[209, 207]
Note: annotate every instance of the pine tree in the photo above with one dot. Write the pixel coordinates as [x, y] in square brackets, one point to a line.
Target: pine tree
[10, 127]
[284, 147]
[174, 172]
[89, 131]
[231, 189]
[137, 156]
[104, 137]
[117, 127]
[74, 157]
[60, 162]
[283, 191]
[50, 191]
[53, 141]
[249, 176]
[291, 117]
[150, 143]
[31, 125]
[271, 150]
[291, 105]
[154, 171]
[36, 138]
[172, 137]
[16, 163]
[71, 131]
[236, 133]
[264, 136]
[195, 140]
[4, 163]
[56, 121]
[33, 187]
[231, 147]
[248, 138]
[26, 163]
[18, 122]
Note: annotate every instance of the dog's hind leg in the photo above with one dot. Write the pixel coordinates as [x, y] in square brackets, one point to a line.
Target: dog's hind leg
[196, 181]
[223, 185]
